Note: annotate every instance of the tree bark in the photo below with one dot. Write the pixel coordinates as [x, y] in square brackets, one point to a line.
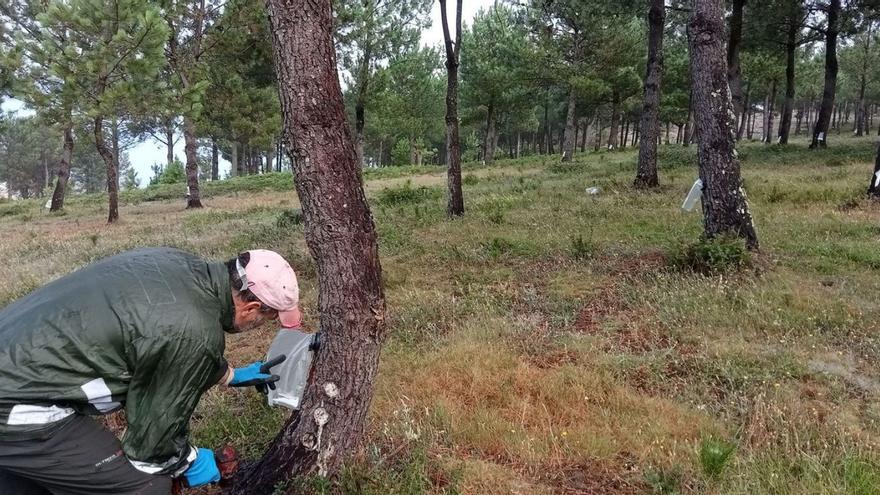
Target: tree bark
[614, 133]
[820, 131]
[341, 237]
[646, 175]
[112, 170]
[788, 104]
[734, 72]
[768, 113]
[489, 141]
[63, 169]
[725, 210]
[169, 145]
[570, 137]
[744, 116]
[233, 159]
[215, 160]
[361, 101]
[455, 200]
[689, 124]
[874, 191]
[192, 162]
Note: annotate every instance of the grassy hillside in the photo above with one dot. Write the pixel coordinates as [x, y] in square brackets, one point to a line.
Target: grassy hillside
[554, 341]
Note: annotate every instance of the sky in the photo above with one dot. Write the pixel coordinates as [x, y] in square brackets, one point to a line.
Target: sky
[150, 152]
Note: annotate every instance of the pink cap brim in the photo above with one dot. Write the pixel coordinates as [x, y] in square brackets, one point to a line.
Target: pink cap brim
[291, 318]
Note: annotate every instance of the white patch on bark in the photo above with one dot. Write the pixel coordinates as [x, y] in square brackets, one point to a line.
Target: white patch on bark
[331, 390]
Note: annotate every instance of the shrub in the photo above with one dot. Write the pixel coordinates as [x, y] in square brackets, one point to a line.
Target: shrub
[581, 249]
[715, 455]
[470, 180]
[713, 256]
[498, 247]
[289, 218]
[406, 194]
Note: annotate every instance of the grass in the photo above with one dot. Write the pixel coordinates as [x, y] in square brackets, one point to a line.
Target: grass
[552, 341]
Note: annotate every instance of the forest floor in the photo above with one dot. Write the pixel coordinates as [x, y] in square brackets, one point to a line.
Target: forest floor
[548, 342]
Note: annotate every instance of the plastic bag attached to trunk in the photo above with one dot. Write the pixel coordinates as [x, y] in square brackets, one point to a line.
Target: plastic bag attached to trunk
[299, 347]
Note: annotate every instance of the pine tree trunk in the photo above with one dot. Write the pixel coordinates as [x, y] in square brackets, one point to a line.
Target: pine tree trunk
[724, 204]
[489, 142]
[598, 144]
[734, 72]
[788, 104]
[341, 237]
[747, 109]
[689, 124]
[874, 191]
[820, 131]
[361, 102]
[569, 138]
[215, 160]
[455, 200]
[169, 145]
[112, 170]
[768, 114]
[63, 169]
[614, 133]
[192, 162]
[233, 159]
[270, 167]
[646, 175]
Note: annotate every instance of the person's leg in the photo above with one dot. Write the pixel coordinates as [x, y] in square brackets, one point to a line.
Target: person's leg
[15, 485]
[83, 458]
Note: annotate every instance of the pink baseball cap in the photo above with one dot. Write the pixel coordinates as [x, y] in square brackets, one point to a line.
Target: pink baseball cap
[270, 278]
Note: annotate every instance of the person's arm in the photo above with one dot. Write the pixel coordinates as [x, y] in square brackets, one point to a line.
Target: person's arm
[169, 378]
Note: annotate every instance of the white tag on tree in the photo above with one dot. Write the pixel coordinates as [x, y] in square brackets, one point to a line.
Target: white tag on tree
[877, 178]
[692, 197]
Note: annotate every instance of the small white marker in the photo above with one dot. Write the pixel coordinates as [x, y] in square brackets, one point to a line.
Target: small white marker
[692, 197]
[877, 178]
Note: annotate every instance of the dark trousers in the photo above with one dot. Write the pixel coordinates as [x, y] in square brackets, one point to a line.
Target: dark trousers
[82, 458]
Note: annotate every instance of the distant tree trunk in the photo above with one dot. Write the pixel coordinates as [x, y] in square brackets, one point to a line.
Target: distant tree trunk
[361, 98]
[751, 131]
[613, 135]
[624, 133]
[873, 190]
[112, 169]
[799, 118]
[768, 113]
[724, 204]
[518, 144]
[689, 123]
[646, 175]
[569, 138]
[734, 73]
[455, 202]
[489, 142]
[747, 109]
[341, 236]
[270, 156]
[63, 168]
[788, 104]
[233, 155]
[598, 139]
[215, 160]
[192, 162]
[820, 131]
[169, 143]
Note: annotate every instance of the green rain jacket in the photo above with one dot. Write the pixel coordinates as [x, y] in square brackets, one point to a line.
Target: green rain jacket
[143, 330]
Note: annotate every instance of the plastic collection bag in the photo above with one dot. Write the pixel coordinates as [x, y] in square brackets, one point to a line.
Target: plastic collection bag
[299, 347]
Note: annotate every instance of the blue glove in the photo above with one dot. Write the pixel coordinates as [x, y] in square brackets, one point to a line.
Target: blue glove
[257, 374]
[203, 470]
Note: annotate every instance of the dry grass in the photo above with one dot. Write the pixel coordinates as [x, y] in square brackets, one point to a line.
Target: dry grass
[542, 344]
